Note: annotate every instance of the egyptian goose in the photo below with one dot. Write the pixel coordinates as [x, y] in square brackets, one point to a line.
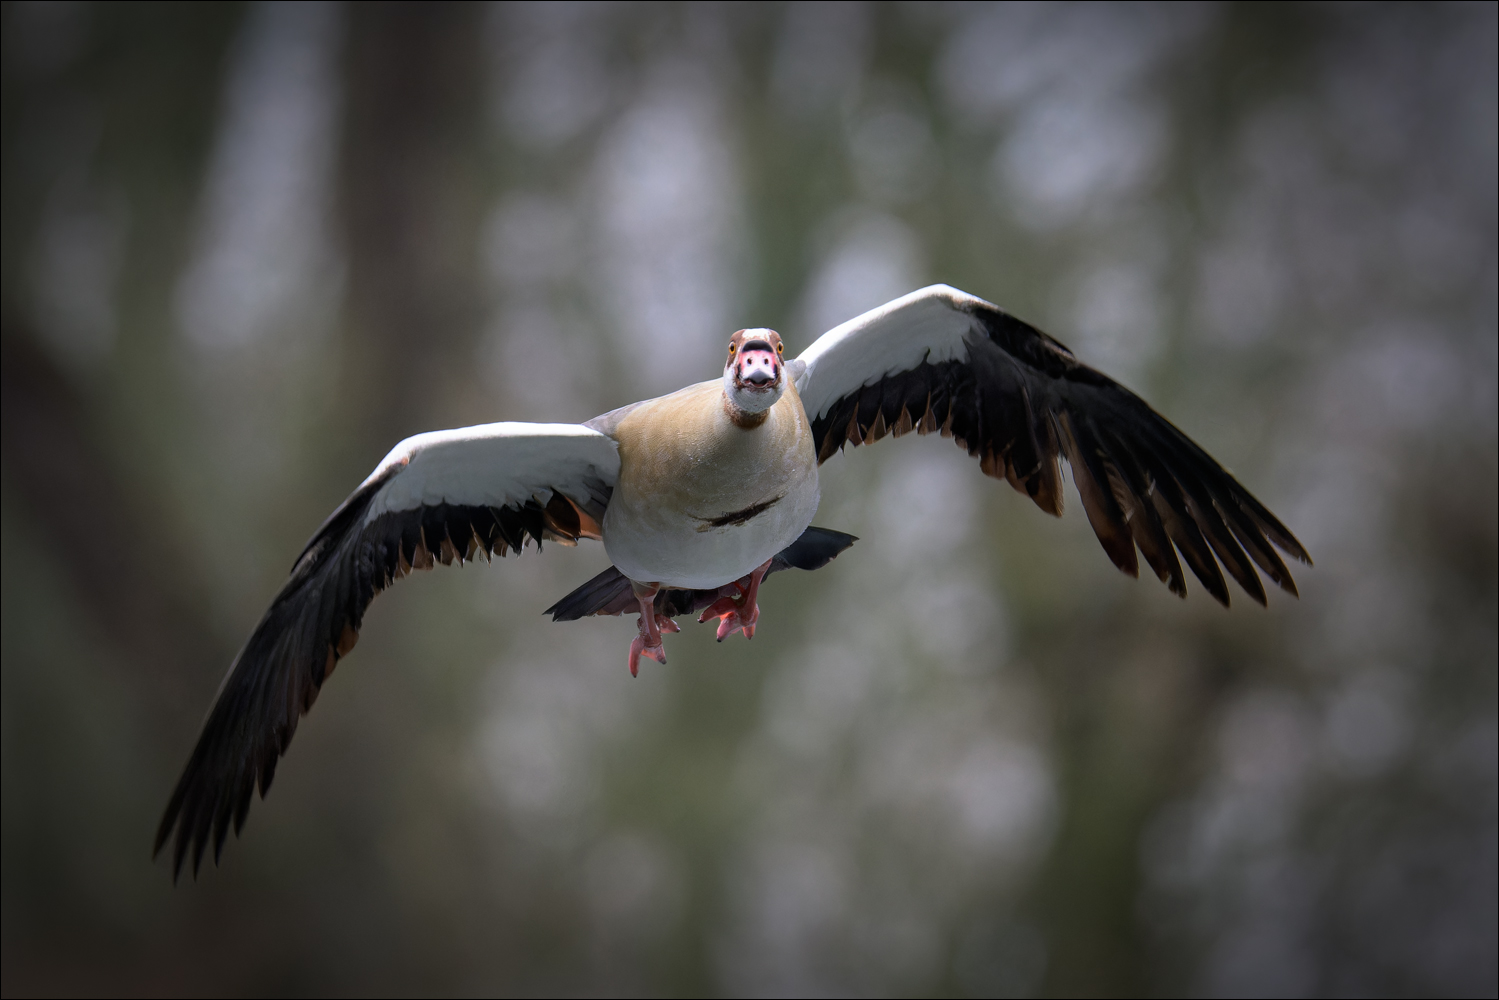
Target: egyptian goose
[700, 494]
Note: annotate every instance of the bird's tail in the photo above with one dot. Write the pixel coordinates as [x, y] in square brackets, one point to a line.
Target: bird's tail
[609, 593]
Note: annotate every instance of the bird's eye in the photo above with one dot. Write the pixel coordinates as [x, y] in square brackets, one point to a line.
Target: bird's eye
[732, 348]
[780, 348]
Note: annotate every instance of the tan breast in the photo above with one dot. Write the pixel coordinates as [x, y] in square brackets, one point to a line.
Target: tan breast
[698, 495]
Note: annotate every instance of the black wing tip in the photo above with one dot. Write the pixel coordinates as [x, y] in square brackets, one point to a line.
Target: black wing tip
[191, 830]
[1219, 589]
[283, 665]
[163, 834]
[172, 822]
[1271, 535]
[1298, 553]
[1278, 534]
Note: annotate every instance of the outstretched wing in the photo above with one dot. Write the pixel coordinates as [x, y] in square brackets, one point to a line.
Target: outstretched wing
[942, 360]
[435, 498]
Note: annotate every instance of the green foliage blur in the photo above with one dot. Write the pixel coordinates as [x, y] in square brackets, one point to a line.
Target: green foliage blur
[247, 248]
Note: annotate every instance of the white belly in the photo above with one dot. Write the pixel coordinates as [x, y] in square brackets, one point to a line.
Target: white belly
[682, 547]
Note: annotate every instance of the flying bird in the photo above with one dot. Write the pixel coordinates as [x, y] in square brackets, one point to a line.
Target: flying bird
[700, 495]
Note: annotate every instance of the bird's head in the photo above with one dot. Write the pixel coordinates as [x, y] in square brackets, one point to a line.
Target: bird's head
[754, 376]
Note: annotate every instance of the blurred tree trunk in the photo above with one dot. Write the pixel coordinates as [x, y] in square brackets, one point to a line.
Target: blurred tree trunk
[1130, 709]
[81, 456]
[122, 563]
[412, 197]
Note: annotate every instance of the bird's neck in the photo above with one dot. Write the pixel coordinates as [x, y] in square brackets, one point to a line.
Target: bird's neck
[740, 417]
[746, 406]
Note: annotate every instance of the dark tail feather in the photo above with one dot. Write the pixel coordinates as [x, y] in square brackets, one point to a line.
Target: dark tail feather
[813, 550]
[597, 596]
[609, 593]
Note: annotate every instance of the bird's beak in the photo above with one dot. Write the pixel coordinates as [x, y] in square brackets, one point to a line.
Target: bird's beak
[757, 366]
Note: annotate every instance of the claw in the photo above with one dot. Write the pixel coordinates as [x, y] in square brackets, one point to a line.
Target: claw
[719, 608]
[738, 621]
[731, 610]
[638, 648]
[665, 624]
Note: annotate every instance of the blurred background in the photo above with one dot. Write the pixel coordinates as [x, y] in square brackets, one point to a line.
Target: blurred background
[248, 247]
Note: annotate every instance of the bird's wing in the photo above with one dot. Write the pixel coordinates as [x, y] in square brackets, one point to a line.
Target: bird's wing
[437, 497]
[942, 360]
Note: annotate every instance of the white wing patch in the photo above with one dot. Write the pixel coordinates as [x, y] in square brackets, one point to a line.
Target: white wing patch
[497, 465]
[929, 325]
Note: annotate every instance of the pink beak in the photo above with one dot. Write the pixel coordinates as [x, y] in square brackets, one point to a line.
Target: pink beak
[758, 367]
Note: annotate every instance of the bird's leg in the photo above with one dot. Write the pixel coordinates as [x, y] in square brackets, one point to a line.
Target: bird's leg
[651, 625]
[738, 614]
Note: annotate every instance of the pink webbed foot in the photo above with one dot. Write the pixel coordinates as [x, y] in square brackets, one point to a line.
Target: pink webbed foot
[638, 648]
[738, 614]
[732, 619]
[648, 642]
[719, 608]
[731, 614]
